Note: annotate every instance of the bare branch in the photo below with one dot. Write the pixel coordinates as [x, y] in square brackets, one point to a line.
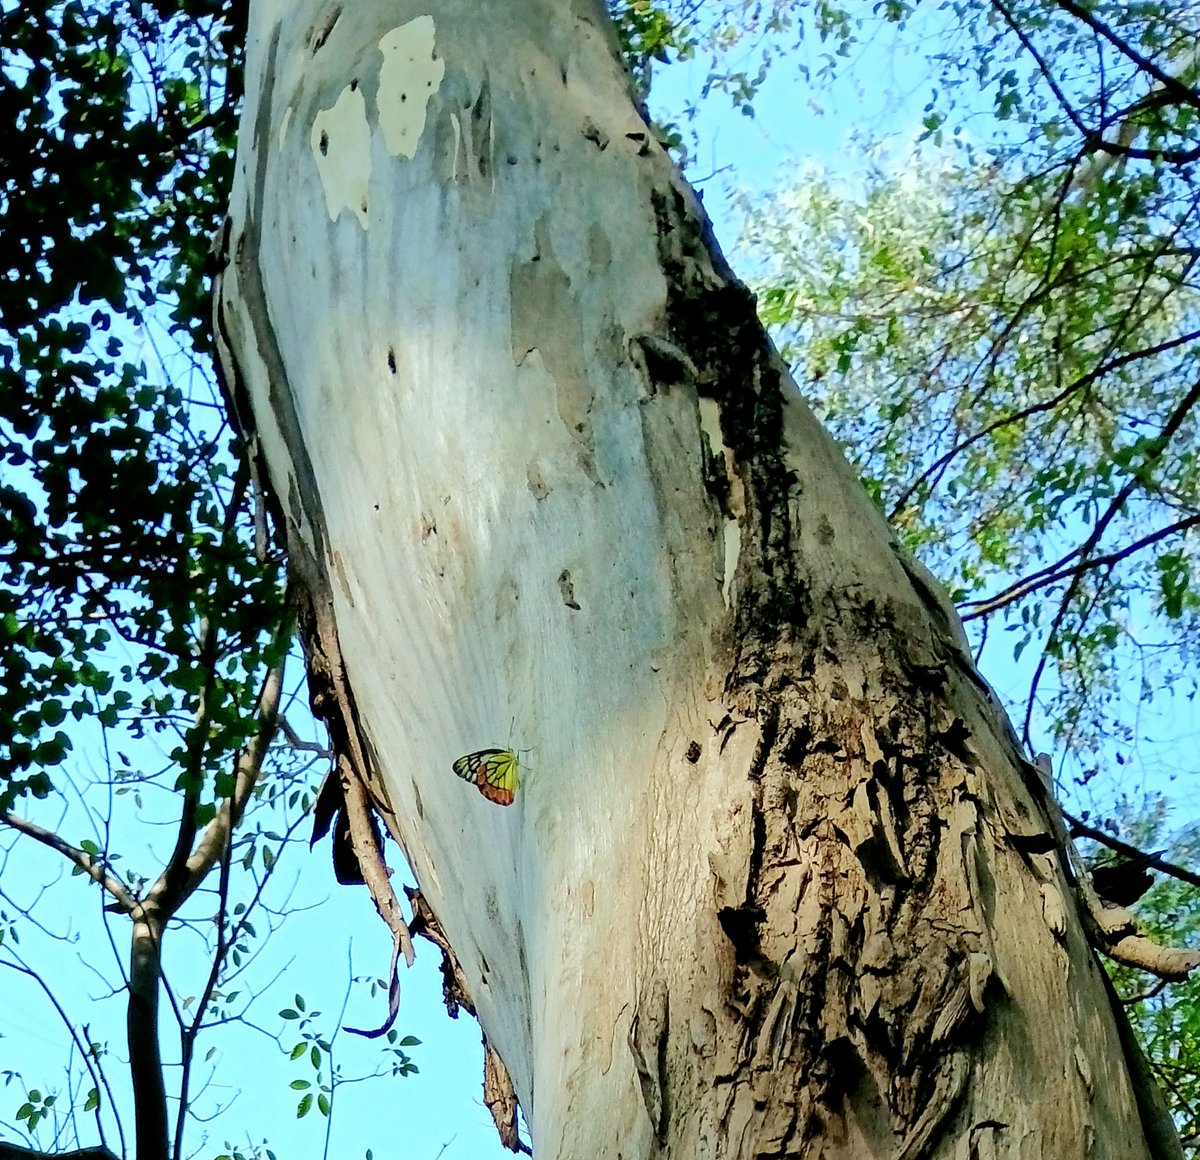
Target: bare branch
[1182, 93]
[295, 741]
[93, 867]
[1172, 964]
[1080, 829]
[94, 1067]
[173, 877]
[188, 1034]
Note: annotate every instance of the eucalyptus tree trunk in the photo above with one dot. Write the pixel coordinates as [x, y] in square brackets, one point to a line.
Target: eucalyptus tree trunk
[777, 881]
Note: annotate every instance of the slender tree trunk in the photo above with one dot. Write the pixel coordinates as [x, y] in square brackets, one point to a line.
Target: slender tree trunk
[777, 881]
[145, 1059]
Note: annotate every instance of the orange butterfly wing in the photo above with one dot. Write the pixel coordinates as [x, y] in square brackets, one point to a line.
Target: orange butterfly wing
[494, 773]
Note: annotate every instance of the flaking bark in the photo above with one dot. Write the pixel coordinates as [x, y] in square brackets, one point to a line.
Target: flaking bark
[780, 882]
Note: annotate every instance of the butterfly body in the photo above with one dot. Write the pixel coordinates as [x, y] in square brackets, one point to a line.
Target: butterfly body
[494, 772]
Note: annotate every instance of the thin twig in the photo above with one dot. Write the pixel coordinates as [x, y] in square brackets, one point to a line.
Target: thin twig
[90, 1061]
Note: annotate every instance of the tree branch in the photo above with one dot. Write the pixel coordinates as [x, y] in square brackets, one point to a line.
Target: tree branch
[1044, 69]
[1153, 452]
[1185, 94]
[93, 867]
[1172, 964]
[94, 1068]
[169, 892]
[174, 886]
[1062, 569]
[173, 874]
[1080, 829]
[188, 1034]
[1084, 380]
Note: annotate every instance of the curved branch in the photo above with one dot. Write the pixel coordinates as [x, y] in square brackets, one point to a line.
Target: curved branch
[1062, 569]
[1171, 964]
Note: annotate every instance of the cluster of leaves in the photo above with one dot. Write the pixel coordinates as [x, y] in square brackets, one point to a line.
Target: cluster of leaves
[314, 1051]
[648, 32]
[122, 524]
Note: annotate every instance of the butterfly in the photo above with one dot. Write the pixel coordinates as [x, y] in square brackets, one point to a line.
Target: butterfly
[494, 773]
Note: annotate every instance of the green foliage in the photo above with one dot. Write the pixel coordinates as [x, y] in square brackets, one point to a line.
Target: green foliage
[121, 519]
[37, 1107]
[314, 1053]
[648, 32]
[258, 1151]
[1004, 342]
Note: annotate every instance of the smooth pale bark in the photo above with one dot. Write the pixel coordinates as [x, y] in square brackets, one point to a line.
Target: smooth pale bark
[777, 881]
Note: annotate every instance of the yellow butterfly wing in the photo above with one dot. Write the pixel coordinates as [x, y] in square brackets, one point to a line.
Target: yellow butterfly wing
[494, 773]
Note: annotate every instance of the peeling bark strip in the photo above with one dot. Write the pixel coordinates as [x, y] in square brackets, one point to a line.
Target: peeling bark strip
[500, 1099]
[779, 882]
[499, 1095]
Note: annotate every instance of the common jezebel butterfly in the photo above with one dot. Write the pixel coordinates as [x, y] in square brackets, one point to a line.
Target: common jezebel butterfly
[494, 772]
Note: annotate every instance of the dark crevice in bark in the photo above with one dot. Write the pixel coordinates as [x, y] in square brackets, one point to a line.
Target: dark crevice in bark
[863, 821]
